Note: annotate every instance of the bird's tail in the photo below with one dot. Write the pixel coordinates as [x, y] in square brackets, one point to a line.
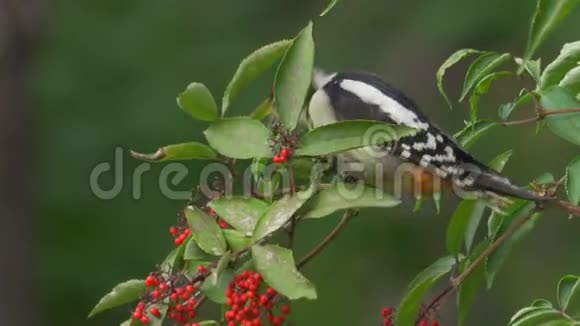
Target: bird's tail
[496, 184]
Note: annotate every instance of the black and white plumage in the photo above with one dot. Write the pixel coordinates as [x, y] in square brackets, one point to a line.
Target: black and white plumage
[350, 96]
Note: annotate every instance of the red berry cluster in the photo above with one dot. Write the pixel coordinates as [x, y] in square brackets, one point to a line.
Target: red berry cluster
[387, 314]
[246, 302]
[182, 302]
[180, 234]
[283, 156]
[425, 322]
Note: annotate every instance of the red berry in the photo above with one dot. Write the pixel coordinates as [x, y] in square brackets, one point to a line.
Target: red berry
[424, 323]
[173, 230]
[185, 296]
[201, 269]
[271, 291]
[230, 315]
[137, 314]
[174, 297]
[151, 281]
[223, 224]
[388, 322]
[285, 152]
[145, 320]
[263, 299]
[435, 323]
[386, 312]
[162, 287]
[179, 240]
[141, 305]
[211, 211]
[232, 323]
[189, 288]
[285, 309]
[156, 294]
[187, 232]
[279, 320]
[195, 324]
[277, 159]
[155, 312]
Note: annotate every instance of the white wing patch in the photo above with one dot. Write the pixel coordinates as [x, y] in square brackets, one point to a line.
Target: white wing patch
[371, 95]
[430, 144]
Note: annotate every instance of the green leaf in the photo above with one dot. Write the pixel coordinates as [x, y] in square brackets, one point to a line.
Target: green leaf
[568, 291]
[240, 212]
[216, 292]
[566, 126]
[183, 151]
[197, 101]
[549, 13]
[192, 251]
[241, 138]
[346, 135]
[329, 7]
[277, 266]
[472, 132]
[505, 110]
[236, 240]
[411, 302]
[497, 164]
[279, 213]
[263, 110]
[495, 261]
[573, 181]
[567, 60]
[208, 323]
[533, 67]
[481, 67]
[251, 68]
[571, 81]
[452, 60]
[536, 316]
[482, 88]
[206, 231]
[293, 78]
[174, 260]
[470, 287]
[457, 227]
[541, 303]
[121, 294]
[341, 196]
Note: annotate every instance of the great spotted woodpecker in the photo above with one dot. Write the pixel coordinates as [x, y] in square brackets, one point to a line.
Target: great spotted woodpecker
[431, 151]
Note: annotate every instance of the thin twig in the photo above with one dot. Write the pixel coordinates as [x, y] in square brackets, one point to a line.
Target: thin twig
[541, 114]
[569, 207]
[442, 298]
[348, 214]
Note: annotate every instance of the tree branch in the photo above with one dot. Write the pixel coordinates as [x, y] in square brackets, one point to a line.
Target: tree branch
[541, 114]
[348, 214]
[443, 297]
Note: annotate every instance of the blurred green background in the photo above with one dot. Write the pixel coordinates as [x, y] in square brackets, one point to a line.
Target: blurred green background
[105, 74]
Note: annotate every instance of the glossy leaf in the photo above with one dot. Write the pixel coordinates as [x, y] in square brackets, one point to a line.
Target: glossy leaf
[240, 212]
[458, 225]
[506, 109]
[411, 302]
[341, 196]
[533, 67]
[241, 138]
[468, 290]
[121, 294]
[279, 213]
[481, 67]
[277, 266]
[206, 231]
[293, 78]
[573, 181]
[549, 14]
[448, 63]
[236, 240]
[567, 60]
[263, 110]
[481, 88]
[174, 260]
[497, 258]
[329, 7]
[541, 303]
[184, 151]
[566, 126]
[251, 68]
[568, 292]
[536, 316]
[571, 81]
[197, 101]
[472, 132]
[192, 251]
[346, 135]
[216, 292]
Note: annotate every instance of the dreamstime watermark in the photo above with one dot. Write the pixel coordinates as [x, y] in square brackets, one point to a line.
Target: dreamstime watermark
[378, 170]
